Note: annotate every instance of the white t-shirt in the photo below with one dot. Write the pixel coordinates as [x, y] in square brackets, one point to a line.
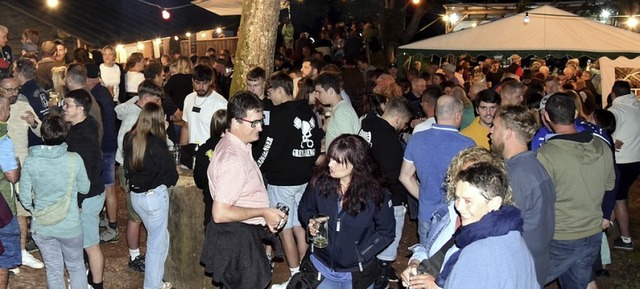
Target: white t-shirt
[111, 77]
[133, 80]
[198, 112]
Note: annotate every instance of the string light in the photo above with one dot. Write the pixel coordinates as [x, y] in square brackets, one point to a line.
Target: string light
[188, 34]
[416, 2]
[165, 14]
[632, 22]
[52, 3]
[526, 18]
[218, 30]
[140, 46]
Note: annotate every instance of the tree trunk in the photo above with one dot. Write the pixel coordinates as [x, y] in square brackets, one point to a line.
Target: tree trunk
[256, 39]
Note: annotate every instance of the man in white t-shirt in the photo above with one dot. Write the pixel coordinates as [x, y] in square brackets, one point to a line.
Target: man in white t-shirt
[110, 72]
[199, 107]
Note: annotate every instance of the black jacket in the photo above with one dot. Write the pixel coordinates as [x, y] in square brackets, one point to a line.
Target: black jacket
[83, 139]
[355, 243]
[387, 149]
[158, 167]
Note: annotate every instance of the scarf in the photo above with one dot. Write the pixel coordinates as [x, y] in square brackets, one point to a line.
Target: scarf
[493, 224]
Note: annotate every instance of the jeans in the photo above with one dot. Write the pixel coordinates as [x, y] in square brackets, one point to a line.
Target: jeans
[153, 208]
[423, 231]
[391, 252]
[57, 252]
[571, 261]
[328, 284]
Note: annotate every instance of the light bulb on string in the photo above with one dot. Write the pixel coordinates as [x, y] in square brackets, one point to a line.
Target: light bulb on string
[52, 3]
[526, 18]
[165, 14]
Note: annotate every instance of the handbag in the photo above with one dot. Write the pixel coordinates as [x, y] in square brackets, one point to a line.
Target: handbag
[57, 212]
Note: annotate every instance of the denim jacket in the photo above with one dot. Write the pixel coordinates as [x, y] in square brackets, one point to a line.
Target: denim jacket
[442, 227]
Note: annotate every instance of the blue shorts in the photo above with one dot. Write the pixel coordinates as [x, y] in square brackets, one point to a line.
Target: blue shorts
[90, 218]
[108, 168]
[290, 196]
[10, 236]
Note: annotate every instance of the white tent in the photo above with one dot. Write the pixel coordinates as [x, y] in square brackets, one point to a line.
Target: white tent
[221, 7]
[550, 31]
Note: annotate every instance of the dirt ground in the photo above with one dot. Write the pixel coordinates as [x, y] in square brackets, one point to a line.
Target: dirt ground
[624, 271]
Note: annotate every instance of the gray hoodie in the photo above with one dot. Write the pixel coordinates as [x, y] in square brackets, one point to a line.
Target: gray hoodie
[128, 113]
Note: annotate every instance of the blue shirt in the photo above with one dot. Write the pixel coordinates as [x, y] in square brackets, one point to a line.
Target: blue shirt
[431, 151]
[543, 134]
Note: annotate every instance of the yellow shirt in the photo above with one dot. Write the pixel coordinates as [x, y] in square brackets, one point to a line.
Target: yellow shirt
[478, 133]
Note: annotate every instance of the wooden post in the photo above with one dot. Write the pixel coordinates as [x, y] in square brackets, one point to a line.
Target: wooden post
[256, 39]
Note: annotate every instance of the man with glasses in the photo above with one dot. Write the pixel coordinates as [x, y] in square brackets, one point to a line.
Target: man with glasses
[199, 107]
[83, 139]
[21, 121]
[487, 101]
[233, 241]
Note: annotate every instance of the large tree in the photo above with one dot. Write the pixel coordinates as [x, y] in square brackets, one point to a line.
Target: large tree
[256, 39]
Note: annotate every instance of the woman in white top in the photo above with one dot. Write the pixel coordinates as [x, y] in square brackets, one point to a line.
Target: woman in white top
[110, 73]
[134, 76]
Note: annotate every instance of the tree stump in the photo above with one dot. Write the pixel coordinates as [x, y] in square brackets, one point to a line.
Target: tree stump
[186, 231]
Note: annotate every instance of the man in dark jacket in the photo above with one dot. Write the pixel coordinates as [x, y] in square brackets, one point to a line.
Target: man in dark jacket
[382, 134]
[83, 139]
[24, 71]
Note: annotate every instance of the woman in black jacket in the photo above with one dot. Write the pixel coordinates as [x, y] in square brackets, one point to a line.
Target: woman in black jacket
[203, 158]
[150, 170]
[348, 188]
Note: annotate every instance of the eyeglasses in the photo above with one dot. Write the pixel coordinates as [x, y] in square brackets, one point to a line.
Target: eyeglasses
[11, 89]
[254, 123]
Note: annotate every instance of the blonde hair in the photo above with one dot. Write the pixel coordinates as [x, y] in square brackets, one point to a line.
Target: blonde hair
[466, 158]
[150, 122]
[183, 65]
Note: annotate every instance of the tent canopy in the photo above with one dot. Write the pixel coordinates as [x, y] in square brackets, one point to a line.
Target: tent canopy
[550, 31]
[221, 7]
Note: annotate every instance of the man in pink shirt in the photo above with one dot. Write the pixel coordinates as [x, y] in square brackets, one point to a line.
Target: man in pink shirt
[233, 251]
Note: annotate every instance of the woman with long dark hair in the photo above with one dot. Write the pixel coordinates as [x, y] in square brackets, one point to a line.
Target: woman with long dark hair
[150, 170]
[348, 188]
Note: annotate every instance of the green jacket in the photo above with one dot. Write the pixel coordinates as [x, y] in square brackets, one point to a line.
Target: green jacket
[581, 167]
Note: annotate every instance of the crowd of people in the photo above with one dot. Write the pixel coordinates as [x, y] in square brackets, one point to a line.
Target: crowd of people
[513, 172]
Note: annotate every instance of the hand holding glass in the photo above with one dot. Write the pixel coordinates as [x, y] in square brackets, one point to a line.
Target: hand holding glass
[318, 229]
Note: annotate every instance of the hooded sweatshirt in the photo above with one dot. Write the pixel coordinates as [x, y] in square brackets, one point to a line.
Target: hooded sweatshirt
[626, 109]
[83, 139]
[581, 167]
[128, 113]
[45, 172]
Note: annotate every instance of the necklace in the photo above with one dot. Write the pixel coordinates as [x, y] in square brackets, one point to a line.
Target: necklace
[198, 105]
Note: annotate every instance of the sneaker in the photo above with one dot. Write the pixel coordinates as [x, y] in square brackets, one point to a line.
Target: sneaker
[14, 271]
[30, 261]
[138, 265]
[166, 285]
[281, 285]
[382, 282]
[30, 245]
[109, 236]
[619, 244]
[391, 275]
